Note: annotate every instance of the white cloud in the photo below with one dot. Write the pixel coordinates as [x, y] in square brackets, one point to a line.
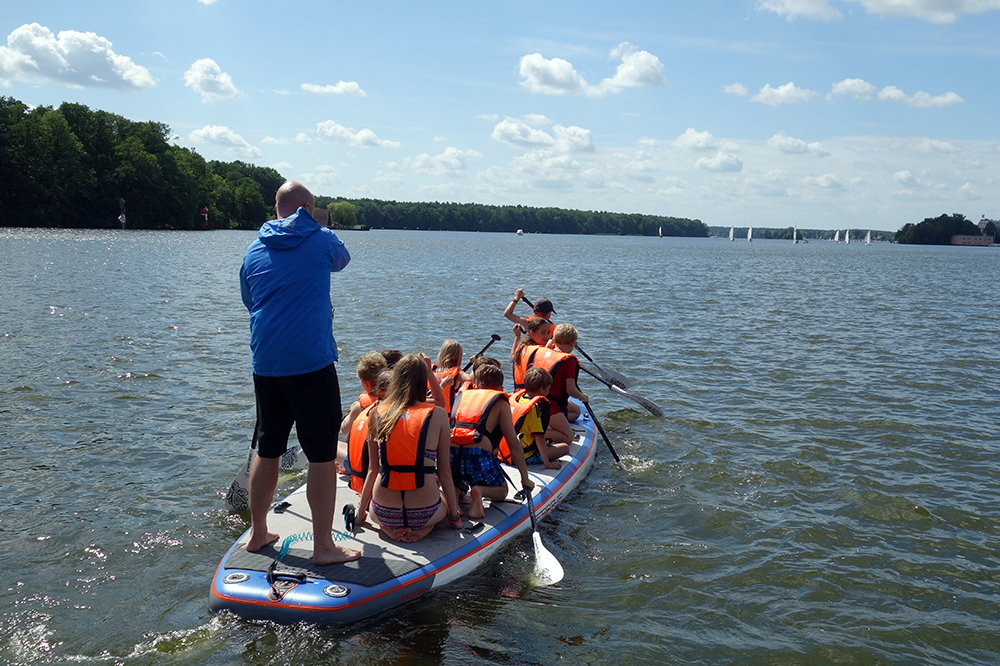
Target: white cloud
[535, 119]
[323, 180]
[906, 179]
[280, 166]
[638, 69]
[450, 163]
[281, 92]
[389, 175]
[362, 138]
[208, 2]
[302, 137]
[792, 146]
[218, 135]
[786, 94]
[920, 99]
[570, 139]
[970, 192]
[936, 146]
[573, 139]
[551, 77]
[210, 81]
[859, 88]
[440, 139]
[735, 89]
[827, 181]
[721, 163]
[519, 133]
[78, 59]
[487, 116]
[271, 141]
[935, 11]
[342, 88]
[819, 10]
[694, 140]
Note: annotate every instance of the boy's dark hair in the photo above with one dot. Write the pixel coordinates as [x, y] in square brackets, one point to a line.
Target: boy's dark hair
[537, 380]
[391, 356]
[489, 376]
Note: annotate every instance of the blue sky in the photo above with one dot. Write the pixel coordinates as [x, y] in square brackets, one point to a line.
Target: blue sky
[821, 113]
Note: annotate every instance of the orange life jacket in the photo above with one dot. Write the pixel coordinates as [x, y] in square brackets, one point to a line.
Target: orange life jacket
[366, 400]
[357, 450]
[560, 365]
[450, 391]
[401, 457]
[523, 362]
[469, 416]
[519, 410]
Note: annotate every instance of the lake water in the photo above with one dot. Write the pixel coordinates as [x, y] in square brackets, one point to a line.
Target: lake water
[824, 488]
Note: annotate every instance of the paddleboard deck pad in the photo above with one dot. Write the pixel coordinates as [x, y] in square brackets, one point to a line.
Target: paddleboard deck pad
[281, 583]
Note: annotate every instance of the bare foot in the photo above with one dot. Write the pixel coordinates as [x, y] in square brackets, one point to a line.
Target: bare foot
[254, 544]
[476, 510]
[416, 535]
[336, 555]
[396, 533]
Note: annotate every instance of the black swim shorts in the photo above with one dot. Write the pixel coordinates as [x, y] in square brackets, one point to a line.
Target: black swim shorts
[310, 401]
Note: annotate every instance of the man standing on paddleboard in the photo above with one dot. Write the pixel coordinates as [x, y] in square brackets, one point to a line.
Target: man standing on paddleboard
[285, 284]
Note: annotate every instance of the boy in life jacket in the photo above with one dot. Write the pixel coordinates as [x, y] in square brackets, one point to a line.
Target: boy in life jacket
[542, 308]
[481, 419]
[531, 411]
[522, 353]
[449, 373]
[356, 456]
[370, 366]
[564, 368]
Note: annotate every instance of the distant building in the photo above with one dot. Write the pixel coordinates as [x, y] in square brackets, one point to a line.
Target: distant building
[984, 221]
[972, 240]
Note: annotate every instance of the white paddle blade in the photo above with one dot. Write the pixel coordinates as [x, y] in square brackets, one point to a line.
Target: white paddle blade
[548, 571]
[614, 378]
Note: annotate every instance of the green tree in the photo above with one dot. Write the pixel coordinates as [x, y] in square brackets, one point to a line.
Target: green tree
[343, 213]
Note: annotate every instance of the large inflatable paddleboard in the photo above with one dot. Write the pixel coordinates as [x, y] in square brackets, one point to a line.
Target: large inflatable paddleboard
[281, 582]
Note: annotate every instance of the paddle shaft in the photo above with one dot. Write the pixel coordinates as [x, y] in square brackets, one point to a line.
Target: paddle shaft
[482, 351]
[600, 428]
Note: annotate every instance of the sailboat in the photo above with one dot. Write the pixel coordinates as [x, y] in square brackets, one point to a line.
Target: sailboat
[847, 236]
[661, 232]
[795, 234]
[868, 237]
[836, 236]
[749, 234]
[732, 230]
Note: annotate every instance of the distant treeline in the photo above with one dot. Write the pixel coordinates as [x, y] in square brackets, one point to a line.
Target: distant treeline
[506, 219]
[71, 167]
[939, 230]
[804, 234]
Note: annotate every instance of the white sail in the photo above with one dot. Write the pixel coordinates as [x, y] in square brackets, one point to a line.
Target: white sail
[868, 238]
[795, 235]
[732, 230]
[749, 234]
[847, 236]
[836, 236]
[661, 232]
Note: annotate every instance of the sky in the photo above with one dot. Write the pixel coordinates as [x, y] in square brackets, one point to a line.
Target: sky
[821, 114]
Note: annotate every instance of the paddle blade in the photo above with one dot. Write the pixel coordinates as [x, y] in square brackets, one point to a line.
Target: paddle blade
[648, 404]
[547, 571]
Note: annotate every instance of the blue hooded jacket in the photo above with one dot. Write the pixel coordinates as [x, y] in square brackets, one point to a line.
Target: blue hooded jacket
[285, 284]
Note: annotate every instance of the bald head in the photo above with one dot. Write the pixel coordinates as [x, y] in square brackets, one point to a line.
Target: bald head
[290, 196]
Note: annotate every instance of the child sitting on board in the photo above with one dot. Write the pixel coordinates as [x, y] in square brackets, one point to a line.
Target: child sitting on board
[370, 366]
[449, 373]
[564, 368]
[531, 411]
[481, 419]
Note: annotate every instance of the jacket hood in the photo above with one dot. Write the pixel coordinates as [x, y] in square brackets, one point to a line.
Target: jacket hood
[288, 232]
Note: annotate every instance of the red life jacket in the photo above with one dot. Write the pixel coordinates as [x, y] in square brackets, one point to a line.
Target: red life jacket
[523, 362]
[469, 416]
[450, 391]
[401, 457]
[366, 400]
[357, 450]
[519, 410]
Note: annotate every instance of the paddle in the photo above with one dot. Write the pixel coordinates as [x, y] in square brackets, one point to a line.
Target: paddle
[607, 376]
[547, 571]
[614, 454]
[648, 404]
[494, 338]
[238, 495]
